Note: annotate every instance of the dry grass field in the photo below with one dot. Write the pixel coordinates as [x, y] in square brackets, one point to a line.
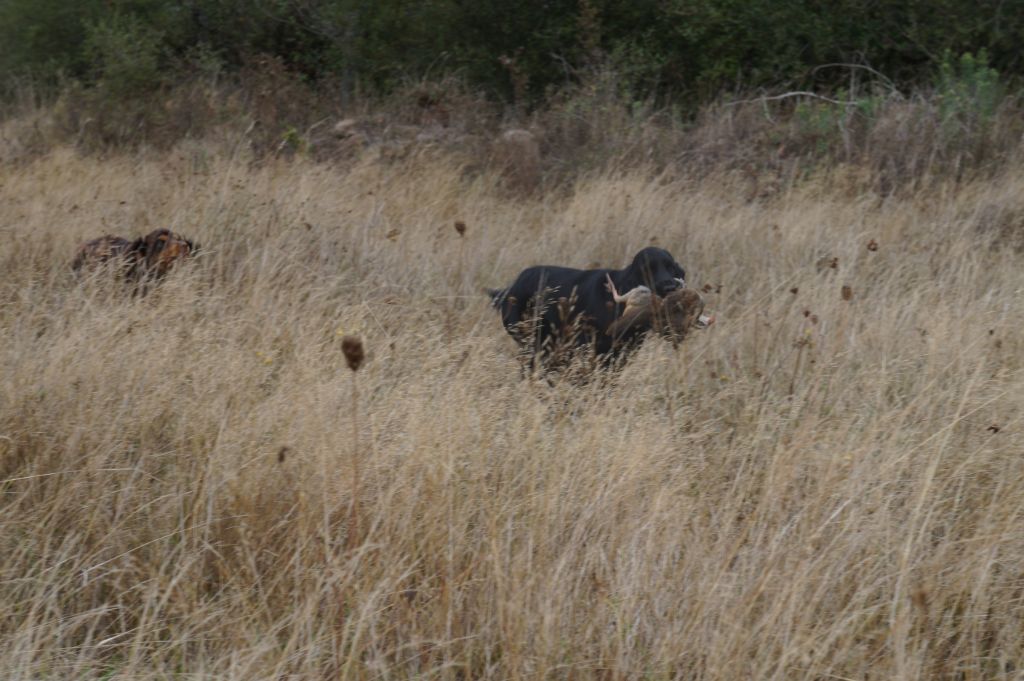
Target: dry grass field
[826, 484]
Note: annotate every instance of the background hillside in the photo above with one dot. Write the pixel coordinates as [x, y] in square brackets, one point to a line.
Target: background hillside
[681, 51]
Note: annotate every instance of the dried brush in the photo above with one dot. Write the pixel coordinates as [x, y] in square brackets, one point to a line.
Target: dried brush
[355, 354]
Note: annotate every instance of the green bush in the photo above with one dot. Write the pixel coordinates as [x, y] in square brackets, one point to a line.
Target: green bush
[969, 91]
[125, 56]
[44, 38]
[678, 52]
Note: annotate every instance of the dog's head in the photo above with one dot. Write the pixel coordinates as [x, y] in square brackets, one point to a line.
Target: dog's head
[161, 249]
[658, 270]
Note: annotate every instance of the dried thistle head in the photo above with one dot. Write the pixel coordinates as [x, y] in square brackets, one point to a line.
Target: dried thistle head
[352, 348]
[872, 245]
[460, 227]
[827, 263]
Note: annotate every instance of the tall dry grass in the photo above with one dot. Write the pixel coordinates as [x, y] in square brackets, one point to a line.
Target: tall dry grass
[812, 489]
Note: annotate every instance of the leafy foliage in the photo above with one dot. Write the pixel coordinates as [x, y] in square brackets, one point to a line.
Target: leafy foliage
[969, 90]
[669, 50]
[125, 55]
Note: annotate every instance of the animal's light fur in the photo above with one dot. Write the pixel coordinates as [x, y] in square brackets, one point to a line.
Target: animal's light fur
[672, 316]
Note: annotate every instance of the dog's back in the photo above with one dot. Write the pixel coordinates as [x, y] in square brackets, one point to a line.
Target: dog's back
[96, 252]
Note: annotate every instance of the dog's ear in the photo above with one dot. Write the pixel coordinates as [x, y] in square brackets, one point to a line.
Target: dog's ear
[156, 241]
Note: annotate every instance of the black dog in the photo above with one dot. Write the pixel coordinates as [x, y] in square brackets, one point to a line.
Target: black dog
[550, 310]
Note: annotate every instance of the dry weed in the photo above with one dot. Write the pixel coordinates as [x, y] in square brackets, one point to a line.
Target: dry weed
[776, 499]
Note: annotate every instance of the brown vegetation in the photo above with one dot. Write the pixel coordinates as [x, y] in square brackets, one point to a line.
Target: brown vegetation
[878, 139]
[813, 488]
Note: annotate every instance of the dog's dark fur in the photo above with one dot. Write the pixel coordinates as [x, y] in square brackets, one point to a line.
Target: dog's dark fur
[550, 309]
[150, 256]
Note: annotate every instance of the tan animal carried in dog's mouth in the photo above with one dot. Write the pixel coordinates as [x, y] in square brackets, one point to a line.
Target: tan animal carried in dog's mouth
[671, 316]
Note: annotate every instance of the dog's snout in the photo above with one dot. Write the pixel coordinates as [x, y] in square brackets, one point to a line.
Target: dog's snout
[666, 286]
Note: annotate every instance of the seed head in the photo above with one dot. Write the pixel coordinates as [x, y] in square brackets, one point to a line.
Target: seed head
[919, 598]
[827, 263]
[352, 348]
[872, 245]
[847, 293]
[460, 227]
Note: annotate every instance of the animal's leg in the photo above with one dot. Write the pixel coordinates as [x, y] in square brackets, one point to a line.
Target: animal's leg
[610, 285]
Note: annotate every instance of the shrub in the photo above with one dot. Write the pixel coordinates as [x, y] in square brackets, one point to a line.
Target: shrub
[125, 56]
[968, 91]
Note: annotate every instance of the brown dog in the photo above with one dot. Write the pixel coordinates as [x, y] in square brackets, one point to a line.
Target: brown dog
[150, 256]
